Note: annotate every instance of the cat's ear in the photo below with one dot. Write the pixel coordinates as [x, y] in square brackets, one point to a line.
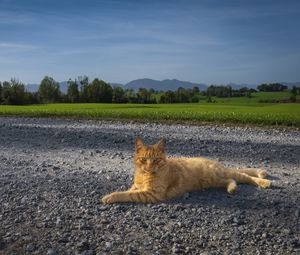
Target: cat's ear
[162, 144]
[138, 143]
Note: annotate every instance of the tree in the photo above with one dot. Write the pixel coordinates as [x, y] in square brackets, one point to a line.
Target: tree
[73, 93]
[144, 95]
[182, 95]
[0, 92]
[6, 92]
[271, 87]
[17, 91]
[31, 98]
[49, 90]
[119, 95]
[131, 95]
[84, 87]
[195, 99]
[13, 92]
[293, 96]
[170, 97]
[162, 99]
[100, 92]
[196, 90]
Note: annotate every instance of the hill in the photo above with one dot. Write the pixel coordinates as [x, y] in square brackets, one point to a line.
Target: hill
[163, 85]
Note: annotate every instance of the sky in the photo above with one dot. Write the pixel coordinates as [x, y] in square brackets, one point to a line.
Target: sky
[203, 41]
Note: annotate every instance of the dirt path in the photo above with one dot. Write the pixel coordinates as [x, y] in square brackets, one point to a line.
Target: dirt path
[53, 173]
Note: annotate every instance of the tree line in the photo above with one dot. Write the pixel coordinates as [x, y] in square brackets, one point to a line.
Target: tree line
[82, 90]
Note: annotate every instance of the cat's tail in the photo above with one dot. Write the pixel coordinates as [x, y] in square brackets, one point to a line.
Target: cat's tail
[248, 177]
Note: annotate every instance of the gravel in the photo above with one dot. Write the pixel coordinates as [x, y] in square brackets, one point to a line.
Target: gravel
[53, 173]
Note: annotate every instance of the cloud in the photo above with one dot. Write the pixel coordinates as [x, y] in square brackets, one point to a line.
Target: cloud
[16, 46]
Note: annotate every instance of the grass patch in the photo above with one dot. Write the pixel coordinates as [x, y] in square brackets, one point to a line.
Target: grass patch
[235, 112]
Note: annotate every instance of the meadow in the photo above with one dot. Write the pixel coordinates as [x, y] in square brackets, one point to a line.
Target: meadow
[233, 110]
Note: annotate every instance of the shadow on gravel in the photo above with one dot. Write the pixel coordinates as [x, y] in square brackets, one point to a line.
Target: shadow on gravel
[116, 139]
[272, 177]
[245, 199]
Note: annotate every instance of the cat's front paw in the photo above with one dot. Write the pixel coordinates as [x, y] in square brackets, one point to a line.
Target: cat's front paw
[109, 199]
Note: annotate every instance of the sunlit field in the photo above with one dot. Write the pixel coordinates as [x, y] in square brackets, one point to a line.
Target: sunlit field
[234, 111]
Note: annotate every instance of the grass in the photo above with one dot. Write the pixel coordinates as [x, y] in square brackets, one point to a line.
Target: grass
[255, 98]
[234, 112]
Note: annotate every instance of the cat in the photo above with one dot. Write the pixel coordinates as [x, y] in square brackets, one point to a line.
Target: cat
[158, 178]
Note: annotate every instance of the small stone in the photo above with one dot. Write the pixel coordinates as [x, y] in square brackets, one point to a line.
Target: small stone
[240, 228]
[58, 222]
[108, 245]
[173, 216]
[297, 213]
[30, 247]
[52, 252]
[23, 200]
[83, 245]
[88, 252]
[176, 249]
[179, 224]
[286, 231]
[235, 220]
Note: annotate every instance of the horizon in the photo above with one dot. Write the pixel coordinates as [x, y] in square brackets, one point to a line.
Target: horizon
[171, 79]
[210, 42]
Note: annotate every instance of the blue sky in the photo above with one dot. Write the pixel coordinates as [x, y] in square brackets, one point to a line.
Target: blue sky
[213, 42]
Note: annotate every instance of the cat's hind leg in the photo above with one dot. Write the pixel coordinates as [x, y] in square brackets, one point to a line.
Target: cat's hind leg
[260, 173]
[247, 179]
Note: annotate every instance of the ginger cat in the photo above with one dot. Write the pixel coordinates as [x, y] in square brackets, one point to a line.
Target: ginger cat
[158, 178]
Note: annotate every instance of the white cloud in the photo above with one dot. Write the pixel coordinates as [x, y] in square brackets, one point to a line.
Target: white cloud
[16, 46]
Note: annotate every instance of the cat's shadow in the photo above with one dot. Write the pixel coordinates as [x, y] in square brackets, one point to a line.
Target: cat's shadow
[271, 177]
[246, 197]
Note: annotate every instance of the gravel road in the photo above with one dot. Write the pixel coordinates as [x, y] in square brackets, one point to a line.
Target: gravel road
[54, 171]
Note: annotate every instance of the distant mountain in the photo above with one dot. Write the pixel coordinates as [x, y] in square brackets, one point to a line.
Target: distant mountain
[291, 84]
[116, 84]
[242, 85]
[32, 87]
[162, 85]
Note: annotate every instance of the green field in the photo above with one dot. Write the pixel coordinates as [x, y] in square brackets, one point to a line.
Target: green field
[255, 98]
[234, 111]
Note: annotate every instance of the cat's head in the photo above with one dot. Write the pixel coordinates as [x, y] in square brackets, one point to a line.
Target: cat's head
[150, 158]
